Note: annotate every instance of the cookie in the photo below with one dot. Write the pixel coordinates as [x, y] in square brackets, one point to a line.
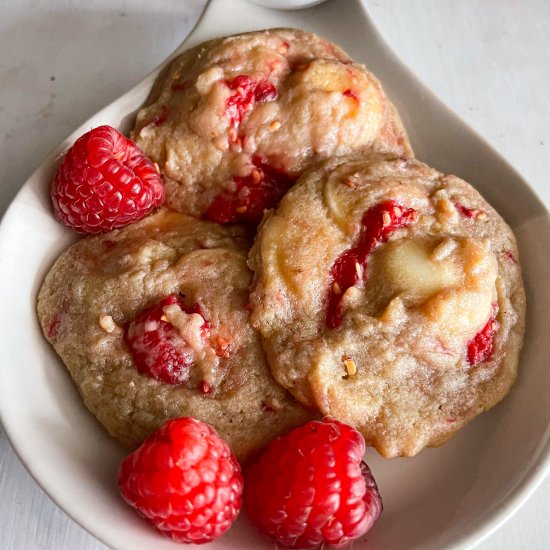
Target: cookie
[389, 296]
[233, 122]
[95, 308]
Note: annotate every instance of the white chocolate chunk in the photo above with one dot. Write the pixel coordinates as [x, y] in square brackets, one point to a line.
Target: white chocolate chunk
[207, 79]
[451, 282]
[411, 268]
[107, 323]
[464, 309]
[188, 325]
[326, 76]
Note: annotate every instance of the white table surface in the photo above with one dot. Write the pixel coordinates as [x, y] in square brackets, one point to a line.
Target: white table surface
[62, 60]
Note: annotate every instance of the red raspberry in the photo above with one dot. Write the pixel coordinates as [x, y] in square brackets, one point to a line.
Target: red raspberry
[351, 93]
[247, 92]
[185, 480]
[471, 213]
[157, 346]
[262, 189]
[105, 182]
[377, 225]
[480, 347]
[311, 487]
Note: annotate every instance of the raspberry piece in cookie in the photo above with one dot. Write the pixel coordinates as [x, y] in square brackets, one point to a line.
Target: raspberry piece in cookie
[105, 182]
[320, 490]
[234, 122]
[140, 353]
[246, 93]
[386, 306]
[254, 193]
[167, 339]
[376, 226]
[480, 348]
[185, 480]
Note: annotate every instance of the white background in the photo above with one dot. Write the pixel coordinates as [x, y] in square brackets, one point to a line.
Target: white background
[62, 60]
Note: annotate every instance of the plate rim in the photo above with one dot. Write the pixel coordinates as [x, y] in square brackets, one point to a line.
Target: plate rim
[531, 479]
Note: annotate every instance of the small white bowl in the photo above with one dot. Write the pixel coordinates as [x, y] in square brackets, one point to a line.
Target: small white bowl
[287, 4]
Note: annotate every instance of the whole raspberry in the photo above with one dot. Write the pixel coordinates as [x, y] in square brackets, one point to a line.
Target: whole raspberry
[105, 182]
[158, 348]
[311, 487]
[185, 480]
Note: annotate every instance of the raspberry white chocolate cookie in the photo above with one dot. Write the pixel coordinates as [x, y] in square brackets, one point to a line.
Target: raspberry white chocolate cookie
[390, 296]
[152, 323]
[233, 122]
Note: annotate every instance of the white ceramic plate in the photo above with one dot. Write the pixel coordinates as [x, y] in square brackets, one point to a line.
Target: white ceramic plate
[444, 498]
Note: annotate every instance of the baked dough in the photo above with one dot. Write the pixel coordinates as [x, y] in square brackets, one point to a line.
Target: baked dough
[102, 283]
[389, 296]
[233, 122]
